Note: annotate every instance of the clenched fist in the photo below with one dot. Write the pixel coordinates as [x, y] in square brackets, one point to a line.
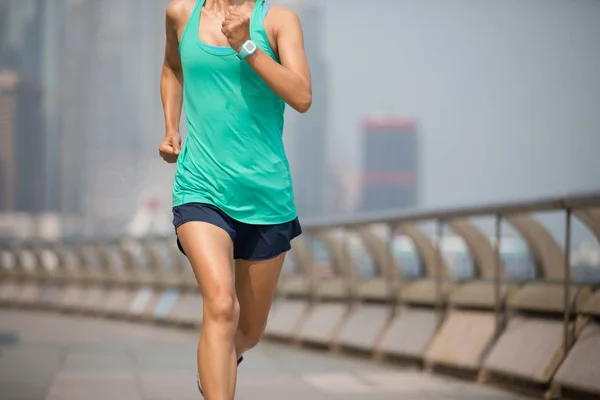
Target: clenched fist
[236, 28]
[169, 148]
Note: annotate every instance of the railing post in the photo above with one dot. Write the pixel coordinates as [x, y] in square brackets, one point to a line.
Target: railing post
[497, 260]
[567, 281]
[438, 270]
[349, 271]
[395, 272]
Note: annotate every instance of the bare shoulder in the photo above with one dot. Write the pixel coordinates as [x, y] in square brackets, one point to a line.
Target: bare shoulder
[179, 10]
[283, 17]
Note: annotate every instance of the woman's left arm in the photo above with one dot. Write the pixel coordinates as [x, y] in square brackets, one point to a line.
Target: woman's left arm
[290, 80]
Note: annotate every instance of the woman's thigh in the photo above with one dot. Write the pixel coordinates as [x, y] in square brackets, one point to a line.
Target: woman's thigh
[210, 251]
[256, 282]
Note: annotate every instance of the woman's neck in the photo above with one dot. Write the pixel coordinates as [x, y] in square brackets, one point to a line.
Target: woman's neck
[221, 5]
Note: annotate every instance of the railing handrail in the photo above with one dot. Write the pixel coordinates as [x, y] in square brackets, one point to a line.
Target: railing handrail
[543, 204]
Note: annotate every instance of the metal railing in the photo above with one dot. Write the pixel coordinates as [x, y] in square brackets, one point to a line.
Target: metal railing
[499, 211]
[569, 205]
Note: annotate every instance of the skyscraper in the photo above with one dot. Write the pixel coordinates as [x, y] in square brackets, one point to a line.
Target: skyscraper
[8, 137]
[30, 46]
[52, 51]
[390, 175]
[74, 77]
[20, 53]
[30, 146]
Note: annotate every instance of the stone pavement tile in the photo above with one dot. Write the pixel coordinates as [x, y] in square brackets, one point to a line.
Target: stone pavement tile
[389, 396]
[474, 392]
[182, 386]
[278, 386]
[181, 356]
[438, 386]
[458, 389]
[278, 393]
[94, 386]
[401, 384]
[299, 360]
[407, 381]
[52, 327]
[152, 334]
[163, 385]
[49, 327]
[92, 361]
[22, 391]
[339, 382]
[340, 385]
[27, 373]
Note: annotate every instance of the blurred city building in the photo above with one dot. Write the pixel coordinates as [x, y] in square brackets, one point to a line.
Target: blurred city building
[30, 141]
[308, 136]
[80, 119]
[8, 157]
[390, 179]
[22, 182]
[74, 75]
[343, 190]
[112, 69]
[24, 157]
[81, 115]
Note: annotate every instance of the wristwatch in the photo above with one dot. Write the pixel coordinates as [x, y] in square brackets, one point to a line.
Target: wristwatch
[248, 48]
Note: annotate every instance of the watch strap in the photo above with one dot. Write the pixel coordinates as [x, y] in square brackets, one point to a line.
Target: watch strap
[245, 53]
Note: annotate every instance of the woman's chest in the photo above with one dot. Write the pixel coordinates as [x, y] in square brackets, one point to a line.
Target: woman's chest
[208, 26]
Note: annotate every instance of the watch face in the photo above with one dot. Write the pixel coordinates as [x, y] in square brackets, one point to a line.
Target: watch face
[250, 47]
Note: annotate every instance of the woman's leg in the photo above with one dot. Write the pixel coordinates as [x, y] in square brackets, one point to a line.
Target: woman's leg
[210, 251]
[255, 284]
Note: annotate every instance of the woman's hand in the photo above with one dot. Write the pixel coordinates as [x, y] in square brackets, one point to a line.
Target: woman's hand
[170, 147]
[236, 28]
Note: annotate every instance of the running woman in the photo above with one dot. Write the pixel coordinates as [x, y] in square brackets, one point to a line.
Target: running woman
[234, 64]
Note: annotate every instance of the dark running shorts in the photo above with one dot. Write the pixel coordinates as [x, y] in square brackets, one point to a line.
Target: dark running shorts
[250, 242]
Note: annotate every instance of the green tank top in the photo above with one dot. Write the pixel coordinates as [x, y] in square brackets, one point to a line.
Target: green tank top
[233, 155]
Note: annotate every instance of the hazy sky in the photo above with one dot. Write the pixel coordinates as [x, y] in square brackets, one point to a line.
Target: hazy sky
[506, 93]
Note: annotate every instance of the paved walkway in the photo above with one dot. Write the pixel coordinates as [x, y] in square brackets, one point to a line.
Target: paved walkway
[45, 356]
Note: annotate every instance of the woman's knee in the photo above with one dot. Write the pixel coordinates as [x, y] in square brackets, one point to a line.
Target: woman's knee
[250, 335]
[221, 309]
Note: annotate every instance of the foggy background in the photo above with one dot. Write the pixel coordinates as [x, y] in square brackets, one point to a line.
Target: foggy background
[417, 105]
[502, 98]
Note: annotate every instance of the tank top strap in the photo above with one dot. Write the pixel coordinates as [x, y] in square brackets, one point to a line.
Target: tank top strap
[192, 25]
[259, 6]
[257, 28]
[257, 15]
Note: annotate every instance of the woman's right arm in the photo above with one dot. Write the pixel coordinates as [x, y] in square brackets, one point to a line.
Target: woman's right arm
[171, 84]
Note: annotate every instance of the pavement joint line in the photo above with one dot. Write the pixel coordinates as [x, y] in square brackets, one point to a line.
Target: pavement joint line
[136, 372]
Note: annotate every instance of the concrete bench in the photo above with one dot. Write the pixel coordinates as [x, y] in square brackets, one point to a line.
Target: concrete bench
[286, 317]
[469, 328]
[580, 371]
[324, 319]
[531, 347]
[415, 322]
